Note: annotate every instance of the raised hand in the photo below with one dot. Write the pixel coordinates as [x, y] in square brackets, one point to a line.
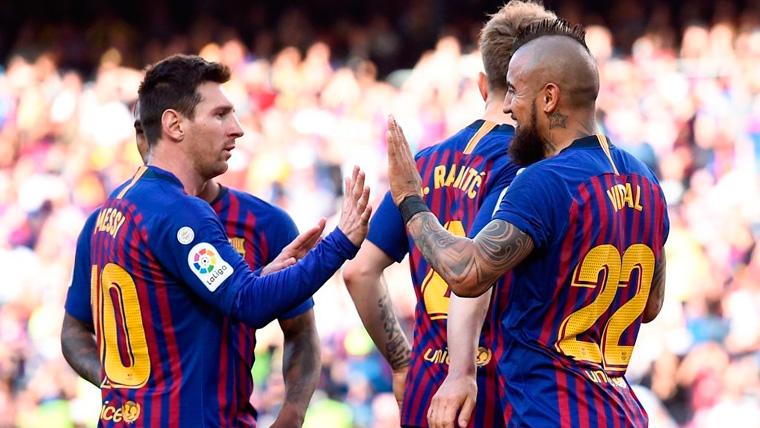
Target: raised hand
[354, 217]
[404, 178]
[296, 249]
[457, 395]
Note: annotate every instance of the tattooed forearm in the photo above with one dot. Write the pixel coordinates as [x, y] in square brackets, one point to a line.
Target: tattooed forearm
[397, 347]
[80, 349]
[469, 266]
[656, 293]
[300, 366]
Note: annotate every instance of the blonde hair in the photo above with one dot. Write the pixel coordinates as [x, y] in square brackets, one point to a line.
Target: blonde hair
[498, 36]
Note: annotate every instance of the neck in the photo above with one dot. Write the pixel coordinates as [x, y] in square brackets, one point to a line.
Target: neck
[566, 128]
[495, 110]
[210, 191]
[178, 164]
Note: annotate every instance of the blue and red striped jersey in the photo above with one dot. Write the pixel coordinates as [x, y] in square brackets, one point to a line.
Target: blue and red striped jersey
[462, 178]
[598, 220]
[258, 231]
[164, 277]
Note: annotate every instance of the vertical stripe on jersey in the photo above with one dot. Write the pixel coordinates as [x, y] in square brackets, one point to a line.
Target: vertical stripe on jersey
[563, 400]
[140, 171]
[606, 147]
[171, 402]
[142, 279]
[484, 129]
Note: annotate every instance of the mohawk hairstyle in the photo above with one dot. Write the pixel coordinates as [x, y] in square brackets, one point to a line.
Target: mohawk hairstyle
[550, 27]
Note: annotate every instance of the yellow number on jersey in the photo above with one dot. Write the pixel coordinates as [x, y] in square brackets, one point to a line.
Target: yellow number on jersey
[117, 314]
[435, 291]
[616, 273]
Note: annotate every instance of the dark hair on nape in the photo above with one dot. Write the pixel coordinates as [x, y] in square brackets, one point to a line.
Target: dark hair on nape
[550, 27]
[172, 84]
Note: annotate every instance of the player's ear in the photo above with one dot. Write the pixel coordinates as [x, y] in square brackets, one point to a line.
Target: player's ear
[549, 97]
[171, 125]
[483, 85]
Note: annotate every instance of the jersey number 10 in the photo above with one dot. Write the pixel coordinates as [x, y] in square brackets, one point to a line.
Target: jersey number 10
[117, 315]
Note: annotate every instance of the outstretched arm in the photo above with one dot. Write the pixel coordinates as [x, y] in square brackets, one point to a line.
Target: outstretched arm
[80, 349]
[468, 266]
[300, 367]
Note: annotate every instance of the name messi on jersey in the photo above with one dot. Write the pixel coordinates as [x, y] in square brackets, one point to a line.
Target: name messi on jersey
[623, 195]
[462, 177]
[109, 220]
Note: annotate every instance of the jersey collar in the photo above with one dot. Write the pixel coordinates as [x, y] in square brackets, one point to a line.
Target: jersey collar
[589, 142]
[162, 174]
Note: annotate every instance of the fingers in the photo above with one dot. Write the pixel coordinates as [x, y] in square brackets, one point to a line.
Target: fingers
[359, 185]
[466, 412]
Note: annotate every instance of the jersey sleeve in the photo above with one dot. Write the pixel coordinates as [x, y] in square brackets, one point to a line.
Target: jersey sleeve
[78, 295]
[532, 202]
[387, 230]
[284, 234]
[190, 243]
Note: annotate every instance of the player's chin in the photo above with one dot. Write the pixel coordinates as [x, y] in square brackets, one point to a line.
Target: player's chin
[220, 167]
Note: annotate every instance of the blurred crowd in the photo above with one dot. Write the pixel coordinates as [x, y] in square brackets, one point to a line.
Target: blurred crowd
[686, 102]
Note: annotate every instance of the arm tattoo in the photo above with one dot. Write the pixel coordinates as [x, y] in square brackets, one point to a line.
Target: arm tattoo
[557, 120]
[470, 266]
[397, 347]
[80, 349]
[300, 360]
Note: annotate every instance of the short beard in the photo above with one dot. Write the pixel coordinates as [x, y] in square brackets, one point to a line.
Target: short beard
[527, 146]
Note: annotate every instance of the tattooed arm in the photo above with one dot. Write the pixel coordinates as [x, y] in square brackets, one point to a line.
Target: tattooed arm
[657, 292]
[80, 349]
[300, 367]
[469, 266]
[364, 279]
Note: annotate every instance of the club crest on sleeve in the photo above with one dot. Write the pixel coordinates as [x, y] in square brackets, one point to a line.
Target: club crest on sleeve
[185, 235]
[208, 265]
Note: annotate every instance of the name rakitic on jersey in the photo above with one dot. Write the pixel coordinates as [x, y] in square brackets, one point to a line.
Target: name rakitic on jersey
[461, 177]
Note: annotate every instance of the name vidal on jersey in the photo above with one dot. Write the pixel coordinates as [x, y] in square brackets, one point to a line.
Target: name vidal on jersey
[461, 177]
[622, 195]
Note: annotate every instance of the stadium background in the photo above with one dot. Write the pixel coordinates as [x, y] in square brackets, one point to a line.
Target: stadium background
[313, 83]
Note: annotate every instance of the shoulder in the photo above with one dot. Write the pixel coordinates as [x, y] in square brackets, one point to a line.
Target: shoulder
[272, 215]
[633, 164]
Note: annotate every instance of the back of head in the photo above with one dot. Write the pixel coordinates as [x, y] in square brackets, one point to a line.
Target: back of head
[172, 84]
[553, 51]
[498, 36]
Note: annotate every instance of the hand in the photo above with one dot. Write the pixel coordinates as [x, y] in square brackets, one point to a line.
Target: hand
[456, 394]
[296, 250]
[354, 217]
[399, 384]
[404, 178]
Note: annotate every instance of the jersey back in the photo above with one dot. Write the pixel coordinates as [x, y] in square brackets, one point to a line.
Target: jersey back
[460, 176]
[258, 231]
[162, 276]
[598, 220]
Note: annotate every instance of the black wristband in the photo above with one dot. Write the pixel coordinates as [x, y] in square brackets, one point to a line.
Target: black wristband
[412, 205]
